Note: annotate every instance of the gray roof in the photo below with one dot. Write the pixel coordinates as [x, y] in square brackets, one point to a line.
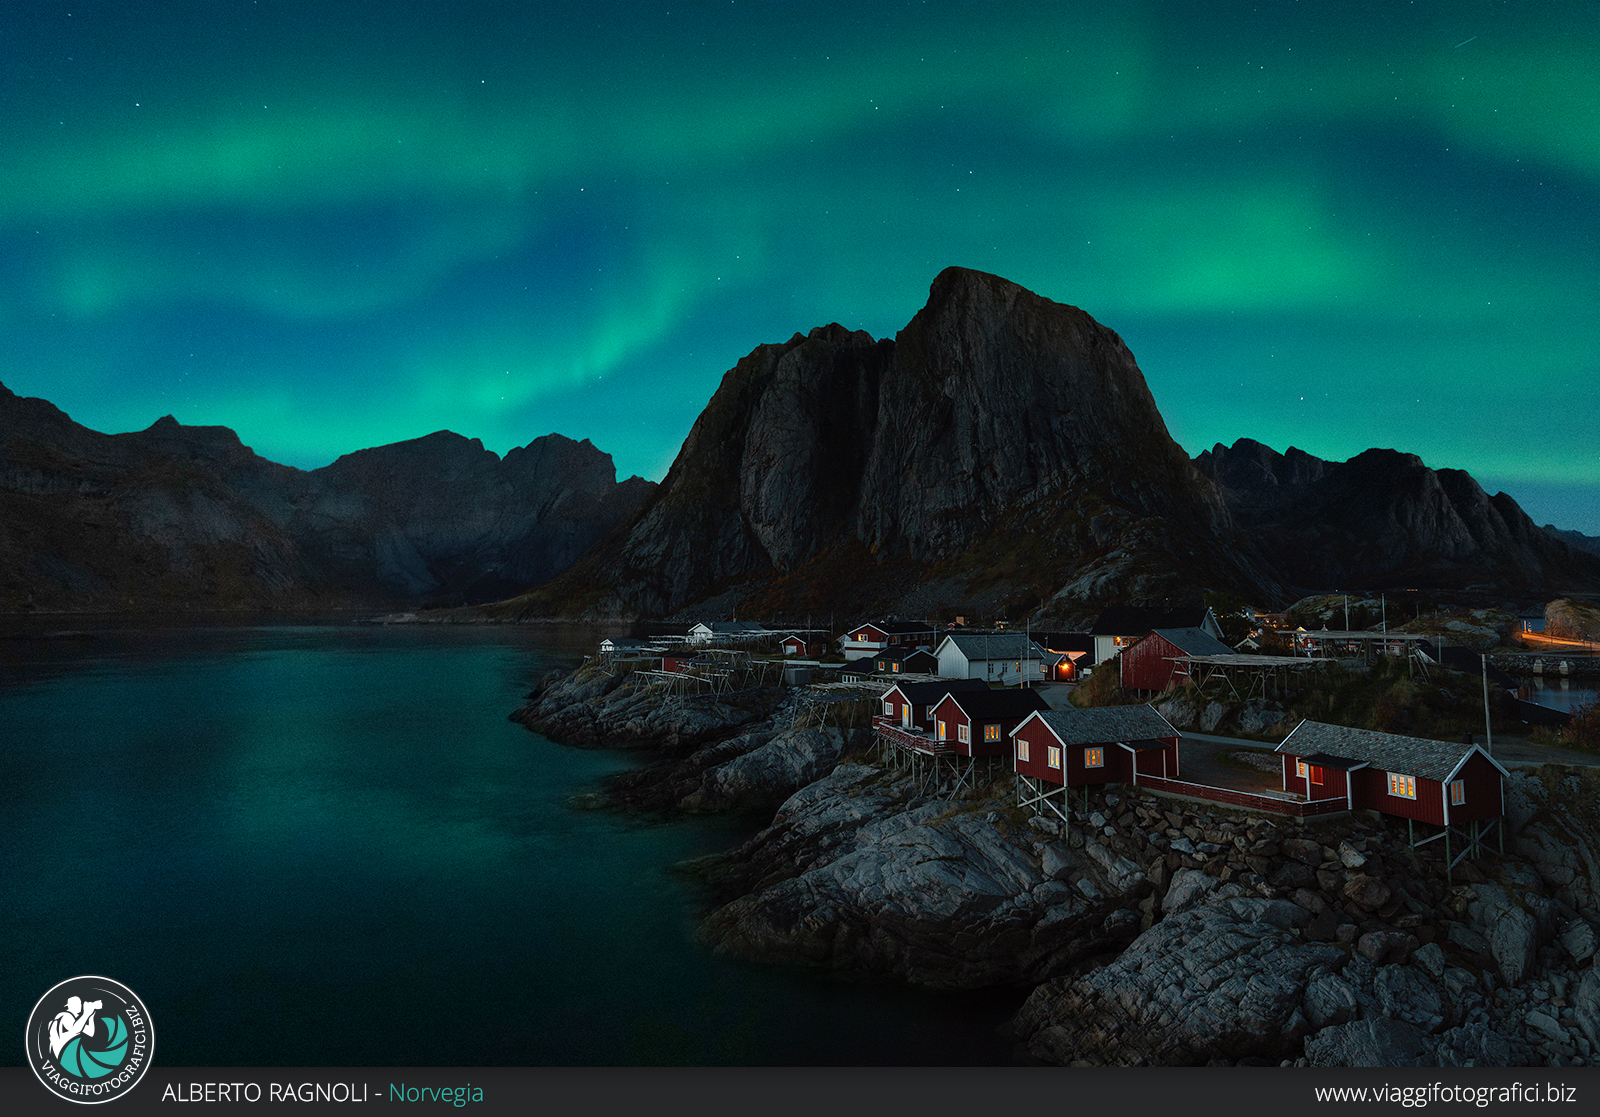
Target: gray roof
[1012, 645]
[1101, 725]
[1410, 756]
[1193, 641]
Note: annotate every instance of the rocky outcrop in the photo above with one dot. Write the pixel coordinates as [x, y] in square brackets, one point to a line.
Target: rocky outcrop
[1572, 620]
[1383, 518]
[1001, 444]
[1219, 982]
[177, 517]
[858, 873]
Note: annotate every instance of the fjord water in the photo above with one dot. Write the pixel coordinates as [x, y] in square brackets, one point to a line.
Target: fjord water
[326, 845]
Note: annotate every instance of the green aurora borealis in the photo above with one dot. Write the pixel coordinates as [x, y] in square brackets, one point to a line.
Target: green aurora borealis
[335, 224]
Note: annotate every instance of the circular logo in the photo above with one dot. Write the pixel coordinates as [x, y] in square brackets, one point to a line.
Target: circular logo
[90, 1039]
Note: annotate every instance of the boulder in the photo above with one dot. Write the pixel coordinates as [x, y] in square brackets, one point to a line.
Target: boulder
[1406, 995]
[1188, 888]
[1374, 1042]
[1586, 1005]
[771, 772]
[1221, 981]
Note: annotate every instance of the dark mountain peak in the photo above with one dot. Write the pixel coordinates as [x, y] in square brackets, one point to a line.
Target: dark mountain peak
[995, 420]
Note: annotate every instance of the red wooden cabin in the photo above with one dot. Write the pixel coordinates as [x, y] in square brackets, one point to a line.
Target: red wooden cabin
[1442, 783]
[1105, 744]
[979, 722]
[1152, 664]
[911, 704]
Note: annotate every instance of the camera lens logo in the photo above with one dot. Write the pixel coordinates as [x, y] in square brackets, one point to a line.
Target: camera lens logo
[90, 1039]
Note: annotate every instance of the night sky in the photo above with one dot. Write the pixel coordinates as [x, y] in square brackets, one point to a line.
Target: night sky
[334, 224]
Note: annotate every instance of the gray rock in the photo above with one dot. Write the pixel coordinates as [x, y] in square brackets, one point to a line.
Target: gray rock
[1586, 1006]
[1385, 946]
[1405, 995]
[1188, 888]
[1578, 940]
[1304, 850]
[1330, 999]
[1055, 862]
[1430, 959]
[1122, 875]
[1473, 1045]
[1350, 856]
[1223, 980]
[771, 772]
[1546, 1025]
[1375, 1042]
[1459, 934]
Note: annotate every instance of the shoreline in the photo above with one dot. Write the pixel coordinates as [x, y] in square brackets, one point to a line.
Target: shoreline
[1373, 954]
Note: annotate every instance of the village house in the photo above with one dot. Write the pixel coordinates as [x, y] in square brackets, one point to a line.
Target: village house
[1006, 659]
[797, 644]
[620, 646]
[1448, 784]
[722, 632]
[979, 722]
[1121, 625]
[1102, 744]
[1069, 654]
[1151, 664]
[911, 705]
[870, 639]
[906, 661]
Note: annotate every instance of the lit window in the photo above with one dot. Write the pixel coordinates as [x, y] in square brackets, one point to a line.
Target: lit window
[963, 734]
[1055, 757]
[991, 733]
[1403, 786]
[894, 667]
[1094, 758]
[1316, 773]
[939, 730]
[1458, 793]
[1022, 748]
[1300, 768]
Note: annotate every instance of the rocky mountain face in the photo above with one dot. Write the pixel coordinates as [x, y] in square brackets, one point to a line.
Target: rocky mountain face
[1002, 448]
[177, 517]
[1385, 519]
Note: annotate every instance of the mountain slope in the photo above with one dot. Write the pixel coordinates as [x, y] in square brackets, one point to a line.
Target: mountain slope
[1384, 518]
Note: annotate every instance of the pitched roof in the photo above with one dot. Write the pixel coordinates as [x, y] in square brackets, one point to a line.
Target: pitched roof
[1006, 645]
[895, 628]
[1101, 725]
[1136, 620]
[1412, 756]
[1193, 641]
[926, 694]
[980, 704]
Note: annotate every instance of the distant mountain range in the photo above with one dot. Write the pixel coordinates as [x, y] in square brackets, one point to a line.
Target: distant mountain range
[1002, 454]
[188, 518]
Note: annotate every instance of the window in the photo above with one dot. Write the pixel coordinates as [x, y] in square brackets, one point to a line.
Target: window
[1094, 758]
[963, 734]
[894, 667]
[888, 708]
[1022, 748]
[1458, 793]
[1300, 768]
[1403, 786]
[1316, 773]
[991, 732]
[939, 730]
[1054, 755]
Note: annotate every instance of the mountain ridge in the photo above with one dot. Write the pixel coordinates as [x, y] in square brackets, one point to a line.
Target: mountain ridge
[180, 517]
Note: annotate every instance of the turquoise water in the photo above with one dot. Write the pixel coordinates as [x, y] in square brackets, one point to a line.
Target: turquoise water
[326, 845]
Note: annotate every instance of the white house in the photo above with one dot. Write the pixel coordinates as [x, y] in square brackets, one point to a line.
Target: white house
[1006, 658]
[870, 639]
[711, 632]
